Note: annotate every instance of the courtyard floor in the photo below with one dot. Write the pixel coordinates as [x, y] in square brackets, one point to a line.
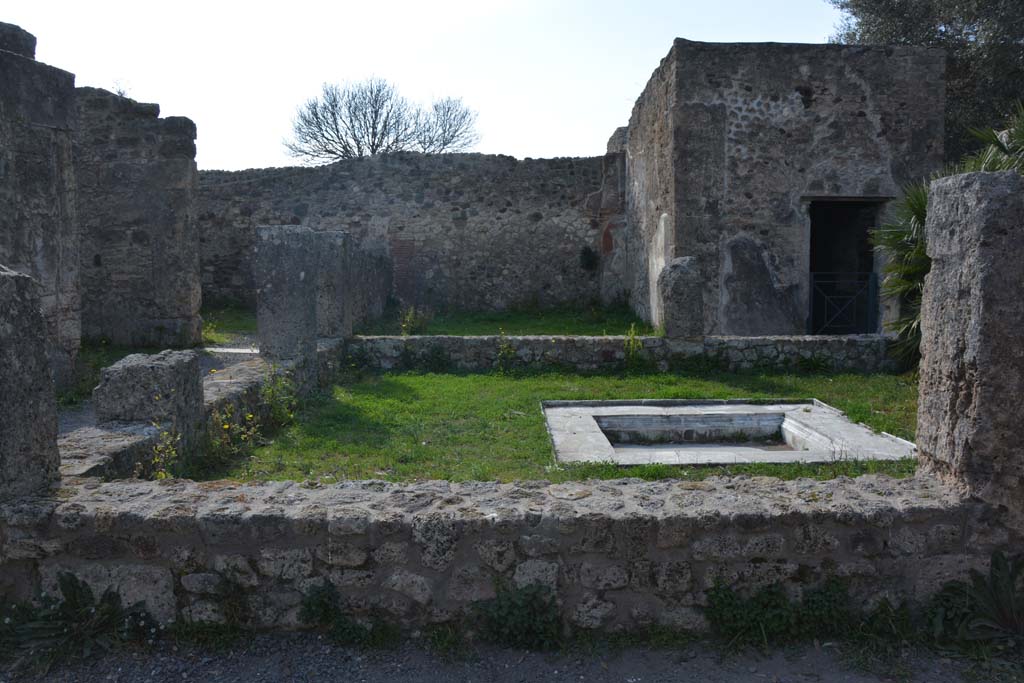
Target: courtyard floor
[487, 427]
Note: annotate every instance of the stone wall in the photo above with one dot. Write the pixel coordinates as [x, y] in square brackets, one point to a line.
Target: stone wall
[617, 554]
[28, 407]
[972, 367]
[853, 353]
[136, 177]
[729, 143]
[467, 231]
[38, 227]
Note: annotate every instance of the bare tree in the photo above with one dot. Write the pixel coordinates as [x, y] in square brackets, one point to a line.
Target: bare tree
[448, 126]
[371, 117]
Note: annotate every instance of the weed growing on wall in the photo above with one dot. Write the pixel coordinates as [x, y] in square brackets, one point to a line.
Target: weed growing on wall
[633, 347]
[165, 457]
[74, 625]
[525, 617]
[231, 437]
[985, 614]
[415, 321]
[506, 357]
[321, 608]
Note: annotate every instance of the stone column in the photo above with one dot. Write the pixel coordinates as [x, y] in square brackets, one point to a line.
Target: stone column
[972, 337]
[164, 389]
[286, 274]
[29, 460]
[680, 288]
[332, 298]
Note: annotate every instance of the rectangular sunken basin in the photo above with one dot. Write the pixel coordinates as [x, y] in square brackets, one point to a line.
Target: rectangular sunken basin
[712, 432]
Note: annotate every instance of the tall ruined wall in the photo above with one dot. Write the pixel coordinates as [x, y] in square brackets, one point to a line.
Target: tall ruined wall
[38, 227]
[650, 187]
[749, 134]
[136, 177]
[466, 231]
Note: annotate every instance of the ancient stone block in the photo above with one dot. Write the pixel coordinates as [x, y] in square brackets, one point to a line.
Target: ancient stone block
[164, 388]
[680, 287]
[38, 226]
[333, 318]
[29, 460]
[286, 271]
[136, 178]
[972, 367]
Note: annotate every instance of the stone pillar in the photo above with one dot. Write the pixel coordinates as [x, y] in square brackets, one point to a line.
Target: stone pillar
[680, 290]
[286, 274]
[165, 388]
[39, 233]
[972, 337]
[332, 298]
[29, 460]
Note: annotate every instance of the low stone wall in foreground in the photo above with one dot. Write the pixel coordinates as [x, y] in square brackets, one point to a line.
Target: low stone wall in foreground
[861, 353]
[618, 554]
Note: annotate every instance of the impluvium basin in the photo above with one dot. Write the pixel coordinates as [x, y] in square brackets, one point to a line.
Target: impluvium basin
[712, 432]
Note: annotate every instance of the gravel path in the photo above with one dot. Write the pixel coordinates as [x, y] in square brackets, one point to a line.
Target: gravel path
[309, 658]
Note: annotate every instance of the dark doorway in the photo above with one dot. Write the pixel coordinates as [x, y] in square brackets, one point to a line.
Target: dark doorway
[844, 286]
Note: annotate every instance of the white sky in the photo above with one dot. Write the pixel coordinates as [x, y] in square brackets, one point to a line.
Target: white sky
[548, 77]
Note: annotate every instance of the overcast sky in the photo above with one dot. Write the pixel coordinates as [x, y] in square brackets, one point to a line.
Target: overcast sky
[548, 77]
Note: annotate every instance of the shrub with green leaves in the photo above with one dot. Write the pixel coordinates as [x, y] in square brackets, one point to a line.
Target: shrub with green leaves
[525, 617]
[903, 241]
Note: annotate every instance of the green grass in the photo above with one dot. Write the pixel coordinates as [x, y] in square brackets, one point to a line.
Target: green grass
[223, 324]
[587, 321]
[404, 427]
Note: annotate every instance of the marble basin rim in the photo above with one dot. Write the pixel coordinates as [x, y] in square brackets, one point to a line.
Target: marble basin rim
[712, 432]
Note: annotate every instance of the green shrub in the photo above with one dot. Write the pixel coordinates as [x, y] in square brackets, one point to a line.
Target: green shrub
[903, 239]
[525, 617]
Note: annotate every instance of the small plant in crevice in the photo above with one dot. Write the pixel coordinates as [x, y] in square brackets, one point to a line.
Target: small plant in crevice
[74, 625]
[165, 457]
[526, 617]
[279, 397]
[506, 357]
[321, 608]
[414, 321]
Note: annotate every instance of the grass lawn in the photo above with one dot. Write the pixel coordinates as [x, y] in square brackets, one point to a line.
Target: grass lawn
[588, 321]
[224, 324]
[484, 427]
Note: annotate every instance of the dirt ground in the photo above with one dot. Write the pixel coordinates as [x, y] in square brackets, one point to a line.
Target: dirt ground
[308, 657]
